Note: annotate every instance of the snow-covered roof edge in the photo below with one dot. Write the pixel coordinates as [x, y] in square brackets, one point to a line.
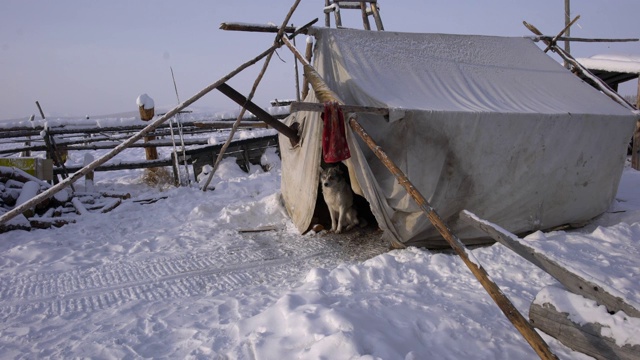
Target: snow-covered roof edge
[622, 63]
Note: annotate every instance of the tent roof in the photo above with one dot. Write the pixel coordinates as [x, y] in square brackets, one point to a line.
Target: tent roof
[464, 73]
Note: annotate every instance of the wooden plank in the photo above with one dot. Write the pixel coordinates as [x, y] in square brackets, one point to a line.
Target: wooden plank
[573, 282]
[585, 338]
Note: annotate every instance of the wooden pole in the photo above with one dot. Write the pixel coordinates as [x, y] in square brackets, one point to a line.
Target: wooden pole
[575, 283]
[297, 78]
[508, 309]
[307, 55]
[555, 38]
[576, 39]
[254, 27]
[365, 16]
[376, 16]
[327, 17]
[253, 90]
[635, 151]
[40, 109]
[601, 85]
[152, 126]
[567, 25]
[27, 153]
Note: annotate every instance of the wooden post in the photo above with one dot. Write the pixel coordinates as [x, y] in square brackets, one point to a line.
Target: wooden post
[146, 108]
[376, 16]
[365, 16]
[295, 63]
[327, 17]
[508, 309]
[635, 151]
[567, 21]
[88, 179]
[27, 152]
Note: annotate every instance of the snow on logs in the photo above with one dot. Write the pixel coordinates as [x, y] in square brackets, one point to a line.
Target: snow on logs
[17, 187]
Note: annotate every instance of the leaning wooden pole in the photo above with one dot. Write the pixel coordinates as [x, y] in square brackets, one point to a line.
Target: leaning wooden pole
[152, 126]
[508, 309]
[524, 327]
[253, 90]
[635, 151]
[601, 85]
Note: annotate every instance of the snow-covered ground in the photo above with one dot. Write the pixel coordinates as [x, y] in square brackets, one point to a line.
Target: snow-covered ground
[176, 279]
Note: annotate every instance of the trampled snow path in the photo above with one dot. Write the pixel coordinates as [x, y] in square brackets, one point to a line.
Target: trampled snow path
[175, 279]
[210, 273]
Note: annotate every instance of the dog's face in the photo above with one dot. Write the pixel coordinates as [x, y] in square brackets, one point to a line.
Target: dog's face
[330, 176]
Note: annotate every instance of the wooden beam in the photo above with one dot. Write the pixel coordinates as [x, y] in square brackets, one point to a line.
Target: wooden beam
[576, 39]
[235, 26]
[259, 112]
[573, 282]
[586, 338]
[307, 106]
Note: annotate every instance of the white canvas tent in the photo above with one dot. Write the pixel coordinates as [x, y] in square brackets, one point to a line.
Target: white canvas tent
[488, 124]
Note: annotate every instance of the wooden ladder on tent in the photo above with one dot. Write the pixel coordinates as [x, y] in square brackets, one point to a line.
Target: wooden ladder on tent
[334, 6]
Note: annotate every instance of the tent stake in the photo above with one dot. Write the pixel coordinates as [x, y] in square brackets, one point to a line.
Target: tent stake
[508, 309]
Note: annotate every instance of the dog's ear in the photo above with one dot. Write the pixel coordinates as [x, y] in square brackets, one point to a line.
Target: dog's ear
[320, 169]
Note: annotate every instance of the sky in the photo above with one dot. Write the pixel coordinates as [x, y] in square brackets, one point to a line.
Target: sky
[93, 58]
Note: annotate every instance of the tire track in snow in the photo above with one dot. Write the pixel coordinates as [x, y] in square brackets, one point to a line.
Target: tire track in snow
[213, 273]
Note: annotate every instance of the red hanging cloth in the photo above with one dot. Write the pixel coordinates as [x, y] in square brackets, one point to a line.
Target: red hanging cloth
[334, 140]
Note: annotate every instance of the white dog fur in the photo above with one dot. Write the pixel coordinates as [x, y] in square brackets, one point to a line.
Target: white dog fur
[339, 199]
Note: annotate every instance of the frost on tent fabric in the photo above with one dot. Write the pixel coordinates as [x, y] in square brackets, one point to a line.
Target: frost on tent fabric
[334, 140]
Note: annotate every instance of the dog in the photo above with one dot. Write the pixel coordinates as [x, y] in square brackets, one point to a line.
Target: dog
[339, 199]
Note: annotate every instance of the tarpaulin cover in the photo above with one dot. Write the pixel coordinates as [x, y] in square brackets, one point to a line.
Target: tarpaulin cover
[484, 123]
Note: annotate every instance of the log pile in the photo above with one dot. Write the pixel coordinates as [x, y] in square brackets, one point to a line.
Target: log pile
[553, 313]
[17, 187]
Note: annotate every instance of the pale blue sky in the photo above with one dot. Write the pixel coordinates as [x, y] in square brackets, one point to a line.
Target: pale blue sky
[95, 57]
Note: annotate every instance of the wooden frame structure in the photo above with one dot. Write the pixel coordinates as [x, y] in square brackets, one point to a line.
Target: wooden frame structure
[335, 6]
